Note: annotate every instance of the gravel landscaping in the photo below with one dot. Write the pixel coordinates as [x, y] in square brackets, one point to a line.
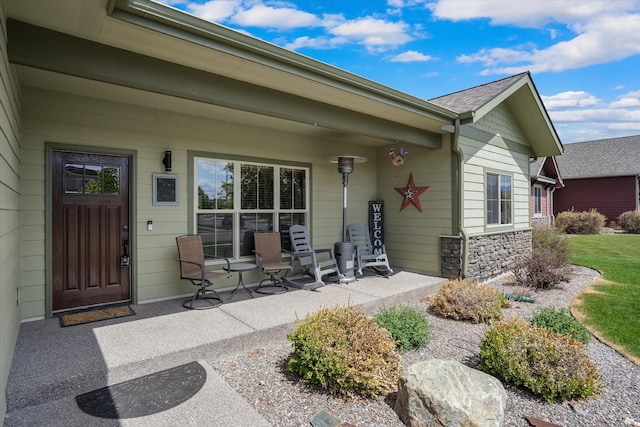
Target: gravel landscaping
[280, 397]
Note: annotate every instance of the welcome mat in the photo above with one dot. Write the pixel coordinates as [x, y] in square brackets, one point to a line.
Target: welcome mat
[95, 315]
[145, 395]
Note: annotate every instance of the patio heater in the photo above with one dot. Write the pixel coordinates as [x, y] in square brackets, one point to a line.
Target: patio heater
[344, 250]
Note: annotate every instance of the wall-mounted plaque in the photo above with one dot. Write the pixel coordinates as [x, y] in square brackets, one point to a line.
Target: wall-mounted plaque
[165, 190]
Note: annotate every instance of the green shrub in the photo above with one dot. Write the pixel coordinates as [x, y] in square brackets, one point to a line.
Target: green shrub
[468, 300]
[555, 367]
[345, 352]
[407, 326]
[630, 221]
[561, 322]
[541, 270]
[572, 222]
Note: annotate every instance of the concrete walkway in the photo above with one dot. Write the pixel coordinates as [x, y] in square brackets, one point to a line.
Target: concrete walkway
[52, 364]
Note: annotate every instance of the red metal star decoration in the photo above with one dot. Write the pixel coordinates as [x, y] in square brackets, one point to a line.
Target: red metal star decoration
[411, 194]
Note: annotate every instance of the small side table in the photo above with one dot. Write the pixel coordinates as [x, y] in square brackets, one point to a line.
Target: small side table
[241, 267]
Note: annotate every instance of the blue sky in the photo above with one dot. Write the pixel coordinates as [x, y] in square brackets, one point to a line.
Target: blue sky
[584, 56]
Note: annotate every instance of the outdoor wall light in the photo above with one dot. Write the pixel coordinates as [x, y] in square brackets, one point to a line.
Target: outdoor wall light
[166, 161]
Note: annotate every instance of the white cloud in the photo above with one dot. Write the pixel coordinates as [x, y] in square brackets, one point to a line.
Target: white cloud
[605, 31]
[596, 115]
[406, 3]
[625, 126]
[496, 56]
[264, 16]
[569, 99]
[628, 100]
[580, 116]
[322, 42]
[376, 34]
[626, 103]
[411, 56]
[171, 2]
[606, 39]
[529, 13]
[214, 10]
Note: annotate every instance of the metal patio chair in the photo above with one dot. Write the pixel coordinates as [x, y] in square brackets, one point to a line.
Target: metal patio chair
[192, 267]
[366, 255]
[268, 250]
[309, 258]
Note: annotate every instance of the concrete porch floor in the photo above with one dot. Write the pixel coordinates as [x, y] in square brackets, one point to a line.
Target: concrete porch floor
[52, 365]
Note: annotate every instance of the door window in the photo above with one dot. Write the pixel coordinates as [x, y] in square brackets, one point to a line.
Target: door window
[91, 179]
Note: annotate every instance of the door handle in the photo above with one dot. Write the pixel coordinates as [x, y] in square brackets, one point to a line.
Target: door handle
[124, 259]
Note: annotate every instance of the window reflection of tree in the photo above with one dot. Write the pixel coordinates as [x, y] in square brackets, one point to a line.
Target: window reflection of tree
[92, 179]
[106, 181]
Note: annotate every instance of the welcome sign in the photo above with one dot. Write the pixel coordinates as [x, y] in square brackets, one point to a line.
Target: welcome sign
[376, 224]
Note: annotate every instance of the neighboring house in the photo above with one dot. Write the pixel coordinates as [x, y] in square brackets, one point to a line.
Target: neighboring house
[545, 180]
[602, 175]
[94, 94]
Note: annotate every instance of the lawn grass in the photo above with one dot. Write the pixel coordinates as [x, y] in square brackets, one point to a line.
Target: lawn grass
[614, 309]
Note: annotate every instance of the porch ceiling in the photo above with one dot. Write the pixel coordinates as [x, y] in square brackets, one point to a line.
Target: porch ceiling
[38, 78]
[353, 107]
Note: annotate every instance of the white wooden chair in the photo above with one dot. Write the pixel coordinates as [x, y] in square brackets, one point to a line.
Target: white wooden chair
[366, 255]
[316, 263]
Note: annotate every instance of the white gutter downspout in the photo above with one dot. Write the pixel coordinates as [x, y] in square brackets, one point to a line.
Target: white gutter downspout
[461, 230]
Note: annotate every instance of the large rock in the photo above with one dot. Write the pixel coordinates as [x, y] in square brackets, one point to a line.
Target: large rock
[448, 393]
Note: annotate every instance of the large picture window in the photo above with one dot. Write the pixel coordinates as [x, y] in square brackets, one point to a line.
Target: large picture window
[499, 199]
[236, 199]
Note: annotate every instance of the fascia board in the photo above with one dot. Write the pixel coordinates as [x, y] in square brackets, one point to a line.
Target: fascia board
[558, 172]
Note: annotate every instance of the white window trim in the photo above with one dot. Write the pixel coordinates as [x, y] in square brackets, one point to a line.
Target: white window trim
[541, 188]
[486, 217]
[237, 197]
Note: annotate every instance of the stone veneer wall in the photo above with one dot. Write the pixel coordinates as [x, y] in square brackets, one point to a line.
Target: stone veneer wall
[450, 256]
[541, 221]
[494, 254]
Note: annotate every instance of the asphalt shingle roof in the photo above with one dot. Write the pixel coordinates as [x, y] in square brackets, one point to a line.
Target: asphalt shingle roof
[601, 158]
[535, 165]
[474, 98]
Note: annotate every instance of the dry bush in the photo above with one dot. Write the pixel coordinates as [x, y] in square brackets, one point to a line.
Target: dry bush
[572, 222]
[344, 351]
[630, 221]
[555, 367]
[548, 263]
[541, 270]
[550, 240]
[468, 300]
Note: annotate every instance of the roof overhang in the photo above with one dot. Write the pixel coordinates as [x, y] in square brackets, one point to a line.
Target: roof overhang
[145, 46]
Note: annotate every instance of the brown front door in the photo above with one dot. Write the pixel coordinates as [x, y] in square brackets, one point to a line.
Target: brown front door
[90, 229]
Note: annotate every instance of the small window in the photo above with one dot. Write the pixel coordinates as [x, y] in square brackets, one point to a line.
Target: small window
[499, 193]
[537, 200]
